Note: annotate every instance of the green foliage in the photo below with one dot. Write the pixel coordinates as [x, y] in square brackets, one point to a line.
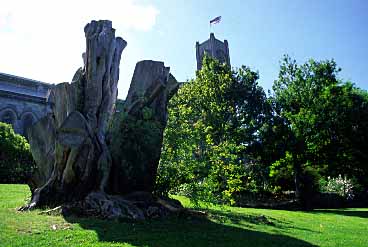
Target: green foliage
[136, 136]
[133, 144]
[16, 162]
[213, 123]
[281, 171]
[325, 123]
[225, 138]
[139, 136]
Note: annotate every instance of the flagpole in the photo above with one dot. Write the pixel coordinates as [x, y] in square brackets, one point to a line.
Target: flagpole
[215, 21]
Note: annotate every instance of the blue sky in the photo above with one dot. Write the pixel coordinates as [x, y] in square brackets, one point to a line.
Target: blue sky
[46, 43]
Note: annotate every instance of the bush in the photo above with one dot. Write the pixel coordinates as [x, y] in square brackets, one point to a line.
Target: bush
[134, 142]
[340, 185]
[16, 162]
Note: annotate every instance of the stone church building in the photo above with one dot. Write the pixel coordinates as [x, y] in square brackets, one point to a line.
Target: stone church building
[22, 101]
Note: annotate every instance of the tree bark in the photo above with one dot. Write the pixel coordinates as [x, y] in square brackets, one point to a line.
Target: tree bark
[80, 113]
[70, 147]
[136, 147]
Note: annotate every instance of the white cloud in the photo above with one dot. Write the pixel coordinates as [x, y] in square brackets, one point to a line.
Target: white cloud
[127, 14]
[44, 39]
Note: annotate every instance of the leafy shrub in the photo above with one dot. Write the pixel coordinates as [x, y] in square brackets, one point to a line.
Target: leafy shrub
[133, 142]
[16, 162]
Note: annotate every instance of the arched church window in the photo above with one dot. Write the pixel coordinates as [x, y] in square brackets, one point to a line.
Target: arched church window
[8, 117]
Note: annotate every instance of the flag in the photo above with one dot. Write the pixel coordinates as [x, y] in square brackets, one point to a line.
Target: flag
[215, 20]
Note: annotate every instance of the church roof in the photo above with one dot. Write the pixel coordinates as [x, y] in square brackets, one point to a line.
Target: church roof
[24, 86]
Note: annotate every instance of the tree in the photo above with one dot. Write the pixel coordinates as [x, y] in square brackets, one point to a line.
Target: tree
[16, 163]
[323, 117]
[213, 124]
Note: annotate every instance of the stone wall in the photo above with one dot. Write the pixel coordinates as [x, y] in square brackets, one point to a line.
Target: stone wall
[22, 101]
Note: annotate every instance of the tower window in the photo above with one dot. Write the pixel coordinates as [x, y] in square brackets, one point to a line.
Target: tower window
[220, 55]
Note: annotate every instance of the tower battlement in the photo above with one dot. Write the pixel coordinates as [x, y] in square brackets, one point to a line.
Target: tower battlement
[214, 48]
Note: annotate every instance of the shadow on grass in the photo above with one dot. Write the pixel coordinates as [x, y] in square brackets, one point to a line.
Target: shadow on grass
[248, 219]
[355, 213]
[183, 232]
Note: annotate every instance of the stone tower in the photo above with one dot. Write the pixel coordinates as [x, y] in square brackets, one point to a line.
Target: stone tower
[214, 48]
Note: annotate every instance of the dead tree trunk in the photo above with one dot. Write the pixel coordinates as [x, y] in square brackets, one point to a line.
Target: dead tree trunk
[80, 159]
[136, 145]
[70, 148]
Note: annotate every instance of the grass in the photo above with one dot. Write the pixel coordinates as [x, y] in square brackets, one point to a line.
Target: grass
[225, 226]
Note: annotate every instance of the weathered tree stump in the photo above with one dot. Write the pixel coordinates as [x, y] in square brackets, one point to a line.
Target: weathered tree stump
[75, 133]
[136, 147]
[75, 169]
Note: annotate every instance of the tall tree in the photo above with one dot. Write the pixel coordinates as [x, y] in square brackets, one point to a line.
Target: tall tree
[323, 116]
[213, 122]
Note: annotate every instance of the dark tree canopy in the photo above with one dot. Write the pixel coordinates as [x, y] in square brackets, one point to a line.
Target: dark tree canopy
[325, 121]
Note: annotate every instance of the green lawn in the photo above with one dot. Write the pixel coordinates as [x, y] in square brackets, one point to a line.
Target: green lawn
[225, 226]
